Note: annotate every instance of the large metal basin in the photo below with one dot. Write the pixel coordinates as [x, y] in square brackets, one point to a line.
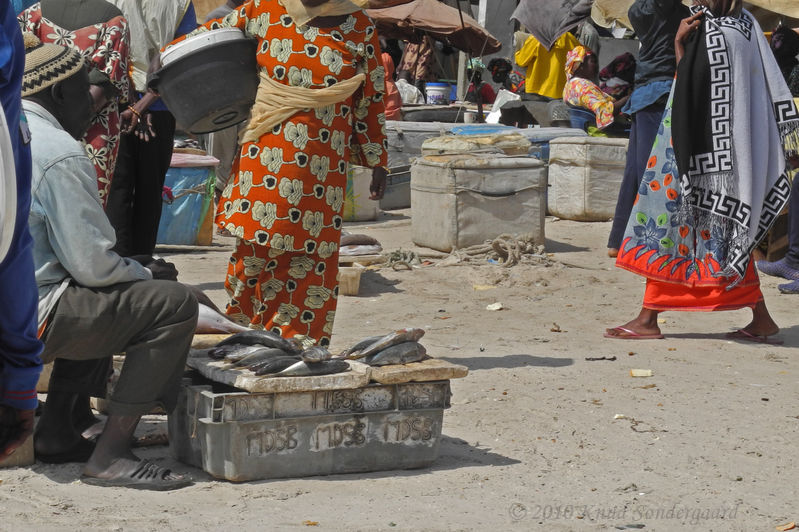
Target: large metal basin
[209, 81]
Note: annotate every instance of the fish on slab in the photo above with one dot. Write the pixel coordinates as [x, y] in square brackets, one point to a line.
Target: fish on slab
[265, 338]
[409, 334]
[403, 353]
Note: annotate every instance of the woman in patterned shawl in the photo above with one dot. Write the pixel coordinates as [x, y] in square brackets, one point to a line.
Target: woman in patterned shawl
[99, 32]
[716, 177]
[284, 203]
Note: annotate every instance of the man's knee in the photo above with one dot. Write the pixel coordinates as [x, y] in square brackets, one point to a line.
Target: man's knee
[172, 300]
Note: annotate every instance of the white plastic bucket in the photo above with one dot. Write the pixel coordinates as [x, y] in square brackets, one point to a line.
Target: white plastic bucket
[437, 93]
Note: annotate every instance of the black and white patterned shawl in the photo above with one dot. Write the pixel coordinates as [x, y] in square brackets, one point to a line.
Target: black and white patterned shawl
[734, 125]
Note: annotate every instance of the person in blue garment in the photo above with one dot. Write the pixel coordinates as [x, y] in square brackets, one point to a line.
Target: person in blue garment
[20, 348]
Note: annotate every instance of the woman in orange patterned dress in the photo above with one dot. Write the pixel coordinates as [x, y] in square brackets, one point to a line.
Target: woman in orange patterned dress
[284, 203]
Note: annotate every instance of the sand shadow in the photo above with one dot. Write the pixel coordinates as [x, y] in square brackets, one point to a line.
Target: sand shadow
[373, 284]
[510, 361]
[789, 335]
[553, 246]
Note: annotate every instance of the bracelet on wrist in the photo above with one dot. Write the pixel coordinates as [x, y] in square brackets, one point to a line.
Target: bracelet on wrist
[134, 111]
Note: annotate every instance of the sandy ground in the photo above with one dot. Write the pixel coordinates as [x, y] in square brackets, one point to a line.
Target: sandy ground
[537, 438]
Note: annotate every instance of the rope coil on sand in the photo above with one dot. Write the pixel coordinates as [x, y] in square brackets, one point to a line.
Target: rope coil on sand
[507, 250]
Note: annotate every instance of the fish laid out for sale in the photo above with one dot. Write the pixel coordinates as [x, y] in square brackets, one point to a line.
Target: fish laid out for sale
[399, 347]
[403, 353]
[264, 338]
[210, 321]
[409, 334]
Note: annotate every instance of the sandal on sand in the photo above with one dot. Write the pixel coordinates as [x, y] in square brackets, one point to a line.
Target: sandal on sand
[629, 334]
[146, 476]
[81, 452]
[746, 336]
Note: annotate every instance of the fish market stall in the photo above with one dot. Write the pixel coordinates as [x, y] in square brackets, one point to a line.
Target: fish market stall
[248, 412]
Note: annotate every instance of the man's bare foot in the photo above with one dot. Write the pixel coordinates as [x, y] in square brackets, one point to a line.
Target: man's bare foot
[613, 253]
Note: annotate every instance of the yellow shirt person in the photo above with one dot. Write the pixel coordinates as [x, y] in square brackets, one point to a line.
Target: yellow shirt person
[545, 74]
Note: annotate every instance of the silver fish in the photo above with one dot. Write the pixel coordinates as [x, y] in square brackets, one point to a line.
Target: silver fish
[232, 352]
[360, 345]
[260, 354]
[274, 365]
[403, 353]
[266, 338]
[210, 321]
[410, 334]
[315, 354]
[301, 369]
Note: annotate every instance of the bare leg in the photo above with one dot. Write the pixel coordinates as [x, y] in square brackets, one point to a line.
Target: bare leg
[113, 456]
[762, 324]
[646, 323]
[114, 464]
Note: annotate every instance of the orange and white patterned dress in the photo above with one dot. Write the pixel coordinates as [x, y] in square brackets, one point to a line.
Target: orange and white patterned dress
[284, 203]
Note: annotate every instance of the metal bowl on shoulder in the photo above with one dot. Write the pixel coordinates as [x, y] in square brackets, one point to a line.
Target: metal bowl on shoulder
[209, 80]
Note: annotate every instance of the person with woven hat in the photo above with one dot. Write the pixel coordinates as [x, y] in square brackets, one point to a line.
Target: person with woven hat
[319, 106]
[94, 303]
[20, 363]
[98, 30]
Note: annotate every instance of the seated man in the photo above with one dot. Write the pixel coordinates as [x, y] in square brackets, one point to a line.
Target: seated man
[583, 92]
[478, 89]
[92, 302]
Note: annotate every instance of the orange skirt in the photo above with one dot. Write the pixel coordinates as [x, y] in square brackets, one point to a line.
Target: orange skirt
[292, 294]
[661, 295]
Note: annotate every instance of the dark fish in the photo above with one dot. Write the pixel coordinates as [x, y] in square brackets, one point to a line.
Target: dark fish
[232, 351]
[360, 345]
[409, 334]
[260, 354]
[301, 369]
[403, 353]
[274, 365]
[265, 338]
[315, 354]
[209, 321]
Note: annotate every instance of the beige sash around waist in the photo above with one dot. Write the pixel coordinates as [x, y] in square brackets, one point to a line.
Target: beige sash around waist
[276, 102]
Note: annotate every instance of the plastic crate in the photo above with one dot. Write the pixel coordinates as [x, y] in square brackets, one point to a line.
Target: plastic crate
[242, 436]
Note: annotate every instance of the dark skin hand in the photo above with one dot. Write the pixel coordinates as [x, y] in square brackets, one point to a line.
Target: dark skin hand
[687, 27]
[15, 427]
[130, 123]
[378, 185]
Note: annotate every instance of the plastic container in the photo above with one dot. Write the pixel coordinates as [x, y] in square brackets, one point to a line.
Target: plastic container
[357, 205]
[405, 139]
[242, 436]
[193, 190]
[398, 189]
[462, 200]
[437, 93]
[585, 174]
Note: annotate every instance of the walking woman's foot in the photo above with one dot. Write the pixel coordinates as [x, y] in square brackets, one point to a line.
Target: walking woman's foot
[761, 329]
[613, 253]
[643, 327]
